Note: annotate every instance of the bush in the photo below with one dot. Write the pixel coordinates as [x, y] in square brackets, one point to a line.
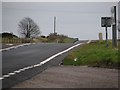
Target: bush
[26, 40]
[43, 37]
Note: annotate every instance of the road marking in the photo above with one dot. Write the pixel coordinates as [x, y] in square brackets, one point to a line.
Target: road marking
[17, 71]
[11, 73]
[1, 78]
[13, 47]
[26, 68]
[6, 76]
[22, 70]
[41, 63]
[37, 65]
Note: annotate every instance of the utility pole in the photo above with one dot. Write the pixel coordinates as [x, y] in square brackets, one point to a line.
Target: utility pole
[54, 24]
[114, 28]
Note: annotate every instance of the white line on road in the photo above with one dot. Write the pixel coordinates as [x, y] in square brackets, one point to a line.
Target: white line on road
[1, 78]
[41, 63]
[13, 47]
[11, 73]
[6, 76]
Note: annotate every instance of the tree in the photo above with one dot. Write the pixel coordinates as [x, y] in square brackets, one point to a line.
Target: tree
[28, 28]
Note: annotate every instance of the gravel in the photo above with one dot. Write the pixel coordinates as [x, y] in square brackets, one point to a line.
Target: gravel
[73, 77]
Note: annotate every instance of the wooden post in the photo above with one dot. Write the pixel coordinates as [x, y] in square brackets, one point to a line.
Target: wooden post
[100, 37]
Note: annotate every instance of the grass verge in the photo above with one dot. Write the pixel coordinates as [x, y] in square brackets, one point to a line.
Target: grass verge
[94, 54]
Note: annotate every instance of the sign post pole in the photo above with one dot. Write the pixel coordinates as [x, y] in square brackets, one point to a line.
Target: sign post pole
[106, 37]
[106, 22]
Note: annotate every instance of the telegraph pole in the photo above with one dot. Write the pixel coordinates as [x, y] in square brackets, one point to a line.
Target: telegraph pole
[54, 24]
[114, 28]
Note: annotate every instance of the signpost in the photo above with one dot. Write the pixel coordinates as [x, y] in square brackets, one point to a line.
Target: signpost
[106, 22]
[114, 27]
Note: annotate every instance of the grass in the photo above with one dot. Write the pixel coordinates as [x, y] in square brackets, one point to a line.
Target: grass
[69, 40]
[52, 38]
[94, 54]
[36, 40]
[10, 40]
[40, 40]
[0, 40]
[64, 40]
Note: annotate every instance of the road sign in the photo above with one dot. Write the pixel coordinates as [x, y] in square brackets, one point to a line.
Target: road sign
[106, 21]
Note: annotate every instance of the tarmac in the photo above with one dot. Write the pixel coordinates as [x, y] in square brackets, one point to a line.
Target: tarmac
[73, 77]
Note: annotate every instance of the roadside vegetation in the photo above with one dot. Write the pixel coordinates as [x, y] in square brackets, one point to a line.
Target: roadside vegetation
[7, 38]
[94, 54]
[56, 38]
[30, 32]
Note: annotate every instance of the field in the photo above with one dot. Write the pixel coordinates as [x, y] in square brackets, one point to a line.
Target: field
[10, 38]
[35, 40]
[95, 54]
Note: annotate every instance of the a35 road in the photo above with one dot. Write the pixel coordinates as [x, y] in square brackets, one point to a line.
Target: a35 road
[24, 62]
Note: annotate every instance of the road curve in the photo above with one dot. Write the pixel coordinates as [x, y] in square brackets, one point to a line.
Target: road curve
[21, 57]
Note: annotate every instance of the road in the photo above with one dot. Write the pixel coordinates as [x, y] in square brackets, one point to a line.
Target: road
[15, 60]
[73, 77]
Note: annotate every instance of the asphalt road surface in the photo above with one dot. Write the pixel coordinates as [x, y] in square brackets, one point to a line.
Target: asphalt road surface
[21, 57]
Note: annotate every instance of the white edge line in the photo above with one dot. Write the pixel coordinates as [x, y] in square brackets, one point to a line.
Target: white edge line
[41, 63]
[1, 78]
[6, 76]
[13, 47]
[11, 73]
[16, 72]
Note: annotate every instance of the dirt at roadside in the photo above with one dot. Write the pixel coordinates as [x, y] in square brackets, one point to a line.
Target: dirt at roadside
[73, 77]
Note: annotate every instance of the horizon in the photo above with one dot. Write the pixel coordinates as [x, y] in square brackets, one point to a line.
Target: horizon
[73, 19]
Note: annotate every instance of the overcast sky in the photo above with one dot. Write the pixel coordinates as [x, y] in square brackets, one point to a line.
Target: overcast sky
[75, 19]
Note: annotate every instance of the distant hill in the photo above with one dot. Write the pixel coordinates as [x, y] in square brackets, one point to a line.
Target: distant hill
[8, 35]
